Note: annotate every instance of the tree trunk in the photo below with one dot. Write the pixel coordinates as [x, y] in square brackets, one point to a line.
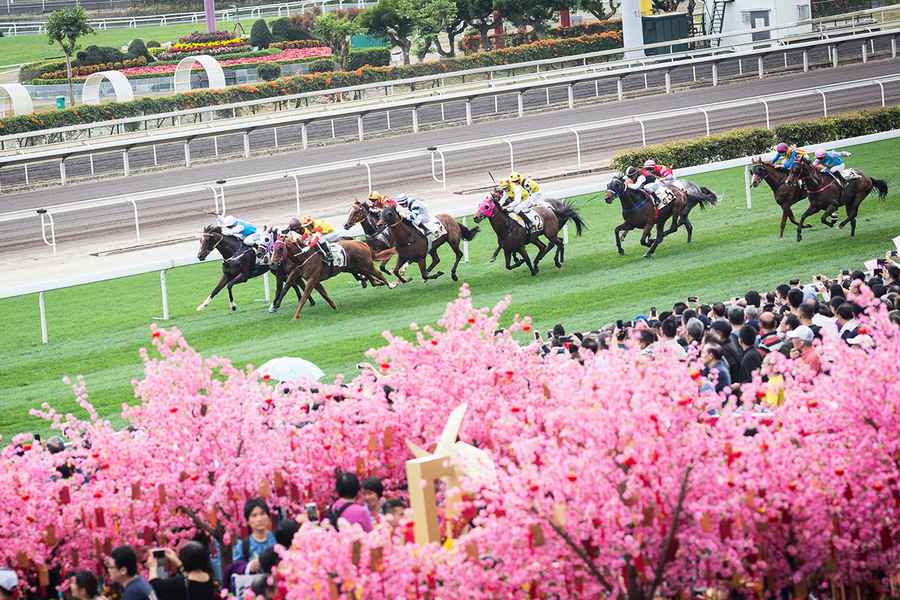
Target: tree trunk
[69, 77]
[404, 48]
[483, 31]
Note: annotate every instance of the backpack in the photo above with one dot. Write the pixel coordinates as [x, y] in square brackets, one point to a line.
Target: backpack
[333, 515]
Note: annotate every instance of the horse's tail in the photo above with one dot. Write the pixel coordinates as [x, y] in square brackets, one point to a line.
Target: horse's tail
[565, 212]
[881, 186]
[705, 198]
[468, 234]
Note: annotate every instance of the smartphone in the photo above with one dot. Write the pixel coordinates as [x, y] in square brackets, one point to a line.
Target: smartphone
[845, 272]
[629, 324]
[620, 324]
[878, 271]
[818, 278]
[692, 299]
[653, 311]
[537, 336]
[37, 436]
[312, 513]
[159, 554]
[878, 261]
[893, 254]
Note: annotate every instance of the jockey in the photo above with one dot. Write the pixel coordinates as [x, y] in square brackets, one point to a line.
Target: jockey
[246, 232]
[832, 163]
[315, 234]
[661, 172]
[637, 179]
[417, 212]
[375, 201]
[786, 156]
[516, 199]
[530, 185]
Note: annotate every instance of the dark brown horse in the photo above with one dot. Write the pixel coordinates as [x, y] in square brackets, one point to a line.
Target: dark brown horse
[412, 247]
[786, 194]
[304, 263]
[826, 194]
[378, 238]
[513, 238]
[238, 266]
[639, 212]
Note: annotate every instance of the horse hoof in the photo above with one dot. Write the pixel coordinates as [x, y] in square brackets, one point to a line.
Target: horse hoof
[454, 277]
[438, 274]
[272, 309]
[201, 307]
[392, 285]
[648, 255]
[621, 253]
[233, 307]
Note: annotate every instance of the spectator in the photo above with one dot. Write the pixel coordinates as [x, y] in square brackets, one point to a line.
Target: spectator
[372, 495]
[795, 299]
[194, 578]
[736, 319]
[730, 349]
[121, 566]
[259, 520]
[678, 308]
[695, 331]
[846, 320]
[718, 312]
[752, 298]
[805, 313]
[751, 359]
[782, 292]
[345, 507]
[751, 316]
[261, 588]
[646, 340]
[284, 535]
[769, 340]
[714, 361]
[801, 340]
[268, 560]
[83, 585]
[9, 584]
[668, 331]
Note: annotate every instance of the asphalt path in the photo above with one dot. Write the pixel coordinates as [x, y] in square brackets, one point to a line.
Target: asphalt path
[324, 193]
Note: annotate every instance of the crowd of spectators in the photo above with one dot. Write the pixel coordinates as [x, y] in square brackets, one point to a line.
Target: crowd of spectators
[734, 337]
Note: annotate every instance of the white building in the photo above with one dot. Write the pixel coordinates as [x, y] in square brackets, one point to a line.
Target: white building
[741, 15]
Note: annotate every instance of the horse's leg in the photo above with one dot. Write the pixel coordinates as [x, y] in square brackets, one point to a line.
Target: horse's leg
[424, 271]
[377, 278]
[523, 252]
[400, 262]
[806, 214]
[659, 238]
[279, 286]
[543, 249]
[239, 278]
[852, 211]
[454, 245]
[645, 236]
[383, 266]
[785, 215]
[310, 285]
[222, 282]
[620, 229]
[686, 221]
[435, 259]
[496, 251]
[324, 294]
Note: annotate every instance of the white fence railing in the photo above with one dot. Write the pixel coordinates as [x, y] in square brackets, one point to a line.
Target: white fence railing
[438, 155]
[590, 62]
[245, 126]
[568, 191]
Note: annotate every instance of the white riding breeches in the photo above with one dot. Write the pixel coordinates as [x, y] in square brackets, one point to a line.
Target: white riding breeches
[254, 238]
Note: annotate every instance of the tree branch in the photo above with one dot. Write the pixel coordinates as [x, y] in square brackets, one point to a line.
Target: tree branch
[670, 536]
[578, 550]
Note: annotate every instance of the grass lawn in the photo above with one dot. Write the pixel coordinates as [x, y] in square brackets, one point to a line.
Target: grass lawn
[30, 48]
[96, 330]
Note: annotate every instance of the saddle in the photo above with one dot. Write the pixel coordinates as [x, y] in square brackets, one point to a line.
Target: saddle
[338, 255]
[435, 229]
[535, 224]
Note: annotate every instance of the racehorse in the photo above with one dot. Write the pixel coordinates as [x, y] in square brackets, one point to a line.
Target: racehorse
[412, 247]
[379, 239]
[305, 263]
[639, 211]
[825, 193]
[513, 238]
[239, 270]
[786, 195]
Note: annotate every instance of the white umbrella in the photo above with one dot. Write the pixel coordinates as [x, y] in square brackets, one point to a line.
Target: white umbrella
[288, 368]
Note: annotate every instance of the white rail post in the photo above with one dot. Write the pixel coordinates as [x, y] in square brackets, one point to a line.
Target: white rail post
[834, 57]
[643, 133]
[368, 173]
[747, 189]
[520, 99]
[137, 223]
[187, 153]
[465, 242]
[806, 61]
[766, 105]
[577, 146]
[668, 75]
[715, 74]
[387, 115]
[415, 119]
[304, 136]
[620, 88]
[62, 171]
[215, 145]
[468, 111]
[267, 294]
[26, 174]
[824, 103]
[865, 53]
[706, 118]
[881, 85]
[512, 161]
[246, 144]
[333, 134]
[43, 310]
[571, 90]
[125, 162]
[893, 47]
[359, 127]
[275, 135]
[760, 64]
[164, 291]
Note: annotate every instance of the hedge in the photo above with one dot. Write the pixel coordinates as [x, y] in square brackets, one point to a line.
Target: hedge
[739, 143]
[471, 41]
[304, 83]
[373, 57]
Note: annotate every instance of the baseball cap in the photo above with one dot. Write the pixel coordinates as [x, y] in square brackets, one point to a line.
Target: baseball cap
[802, 332]
[8, 580]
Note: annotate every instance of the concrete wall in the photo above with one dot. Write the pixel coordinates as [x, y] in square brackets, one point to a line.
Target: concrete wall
[780, 12]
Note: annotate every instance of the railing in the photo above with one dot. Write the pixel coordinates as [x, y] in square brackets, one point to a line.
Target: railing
[245, 126]
[543, 69]
[163, 266]
[437, 155]
[283, 9]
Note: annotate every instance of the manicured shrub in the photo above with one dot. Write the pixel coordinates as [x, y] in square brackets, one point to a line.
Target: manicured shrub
[373, 57]
[322, 65]
[137, 48]
[260, 36]
[268, 71]
[153, 44]
[95, 55]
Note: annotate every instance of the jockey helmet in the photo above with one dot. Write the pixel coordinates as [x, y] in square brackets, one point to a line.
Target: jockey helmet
[649, 163]
[516, 177]
[782, 147]
[401, 198]
[375, 197]
[820, 153]
[307, 221]
[294, 223]
[632, 172]
[229, 221]
[505, 183]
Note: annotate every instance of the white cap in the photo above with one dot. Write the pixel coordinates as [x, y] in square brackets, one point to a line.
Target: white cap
[229, 221]
[863, 340]
[8, 580]
[801, 333]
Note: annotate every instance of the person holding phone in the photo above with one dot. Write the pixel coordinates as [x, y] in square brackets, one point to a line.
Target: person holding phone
[122, 568]
[193, 578]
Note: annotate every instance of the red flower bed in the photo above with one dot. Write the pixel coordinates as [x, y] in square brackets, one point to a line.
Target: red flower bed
[291, 54]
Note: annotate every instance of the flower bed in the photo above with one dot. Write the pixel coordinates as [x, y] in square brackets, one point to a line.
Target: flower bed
[289, 55]
[211, 50]
[200, 47]
[82, 72]
[199, 37]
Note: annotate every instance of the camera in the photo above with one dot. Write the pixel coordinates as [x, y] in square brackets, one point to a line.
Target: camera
[312, 512]
[693, 299]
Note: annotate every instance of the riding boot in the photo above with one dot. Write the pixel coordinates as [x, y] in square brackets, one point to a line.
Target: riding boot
[840, 179]
[421, 229]
[527, 222]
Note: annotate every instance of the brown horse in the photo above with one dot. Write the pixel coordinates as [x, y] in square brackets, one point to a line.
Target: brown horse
[786, 195]
[379, 240]
[639, 211]
[825, 193]
[513, 238]
[304, 263]
[412, 247]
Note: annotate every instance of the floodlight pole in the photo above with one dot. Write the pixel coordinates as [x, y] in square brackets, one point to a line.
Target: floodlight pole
[210, 7]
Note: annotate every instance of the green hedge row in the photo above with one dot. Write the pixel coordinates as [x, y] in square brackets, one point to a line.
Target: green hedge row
[373, 57]
[747, 142]
[305, 83]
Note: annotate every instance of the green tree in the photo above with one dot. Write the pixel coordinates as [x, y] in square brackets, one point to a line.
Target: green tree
[663, 6]
[478, 14]
[64, 27]
[260, 36]
[601, 9]
[532, 13]
[391, 19]
[431, 18]
[335, 32]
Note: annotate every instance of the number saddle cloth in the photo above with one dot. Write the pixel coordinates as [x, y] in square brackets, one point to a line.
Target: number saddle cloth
[537, 222]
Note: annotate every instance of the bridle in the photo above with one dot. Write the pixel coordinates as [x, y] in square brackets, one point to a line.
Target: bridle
[210, 234]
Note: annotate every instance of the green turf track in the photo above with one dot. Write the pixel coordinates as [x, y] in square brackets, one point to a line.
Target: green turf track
[28, 48]
[96, 330]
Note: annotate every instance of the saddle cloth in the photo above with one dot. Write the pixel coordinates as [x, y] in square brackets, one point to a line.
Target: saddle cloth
[435, 229]
[851, 174]
[537, 223]
[338, 256]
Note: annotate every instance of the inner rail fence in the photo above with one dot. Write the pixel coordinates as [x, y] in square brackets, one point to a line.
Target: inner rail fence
[608, 62]
[162, 267]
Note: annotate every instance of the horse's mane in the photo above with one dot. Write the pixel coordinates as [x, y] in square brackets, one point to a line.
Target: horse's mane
[212, 229]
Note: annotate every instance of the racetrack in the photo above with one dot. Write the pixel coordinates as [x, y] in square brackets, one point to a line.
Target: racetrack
[97, 329]
[466, 170]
